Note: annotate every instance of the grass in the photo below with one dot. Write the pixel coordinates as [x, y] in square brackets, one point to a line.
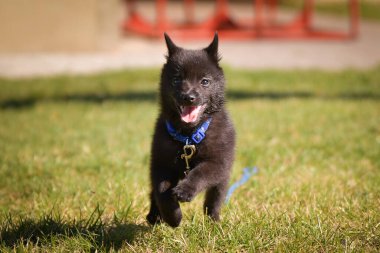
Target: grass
[74, 155]
[369, 9]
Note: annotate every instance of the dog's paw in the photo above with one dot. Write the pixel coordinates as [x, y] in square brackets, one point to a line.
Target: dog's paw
[183, 193]
[153, 218]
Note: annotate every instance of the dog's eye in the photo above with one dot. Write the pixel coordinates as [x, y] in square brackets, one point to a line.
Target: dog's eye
[205, 82]
[176, 81]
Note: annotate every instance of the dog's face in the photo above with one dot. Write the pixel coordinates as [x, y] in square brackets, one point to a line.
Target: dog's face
[192, 83]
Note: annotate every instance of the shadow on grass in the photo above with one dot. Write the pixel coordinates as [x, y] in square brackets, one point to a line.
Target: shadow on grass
[274, 95]
[152, 96]
[96, 98]
[99, 234]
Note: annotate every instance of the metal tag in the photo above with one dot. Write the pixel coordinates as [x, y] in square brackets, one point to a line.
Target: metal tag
[188, 152]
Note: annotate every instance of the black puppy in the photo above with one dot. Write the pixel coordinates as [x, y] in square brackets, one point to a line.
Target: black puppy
[194, 139]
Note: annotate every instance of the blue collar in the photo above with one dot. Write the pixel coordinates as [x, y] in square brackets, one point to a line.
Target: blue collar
[195, 138]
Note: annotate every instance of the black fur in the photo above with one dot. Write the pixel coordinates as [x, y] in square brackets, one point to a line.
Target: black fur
[181, 84]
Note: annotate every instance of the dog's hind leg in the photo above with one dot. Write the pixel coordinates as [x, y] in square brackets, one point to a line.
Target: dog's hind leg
[214, 200]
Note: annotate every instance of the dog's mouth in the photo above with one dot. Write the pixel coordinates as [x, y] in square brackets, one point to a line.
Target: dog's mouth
[191, 113]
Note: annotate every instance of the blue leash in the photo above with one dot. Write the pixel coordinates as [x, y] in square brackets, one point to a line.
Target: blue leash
[247, 173]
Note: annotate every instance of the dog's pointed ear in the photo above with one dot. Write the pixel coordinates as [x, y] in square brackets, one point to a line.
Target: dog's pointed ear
[172, 48]
[212, 49]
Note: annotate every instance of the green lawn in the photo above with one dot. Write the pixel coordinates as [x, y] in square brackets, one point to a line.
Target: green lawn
[74, 155]
[369, 9]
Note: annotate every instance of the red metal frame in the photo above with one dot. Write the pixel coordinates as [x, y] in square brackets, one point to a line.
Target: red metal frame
[263, 24]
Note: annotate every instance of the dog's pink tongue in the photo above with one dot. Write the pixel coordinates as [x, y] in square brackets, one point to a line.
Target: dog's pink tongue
[190, 113]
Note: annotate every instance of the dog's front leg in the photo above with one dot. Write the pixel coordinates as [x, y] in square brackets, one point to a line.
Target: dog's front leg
[203, 176]
[167, 204]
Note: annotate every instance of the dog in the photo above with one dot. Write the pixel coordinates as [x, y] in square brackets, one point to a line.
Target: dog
[194, 138]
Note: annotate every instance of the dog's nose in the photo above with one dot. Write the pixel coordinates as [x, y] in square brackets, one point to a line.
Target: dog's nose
[189, 97]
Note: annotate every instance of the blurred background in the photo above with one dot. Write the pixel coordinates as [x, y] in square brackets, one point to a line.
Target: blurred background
[43, 37]
[78, 102]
